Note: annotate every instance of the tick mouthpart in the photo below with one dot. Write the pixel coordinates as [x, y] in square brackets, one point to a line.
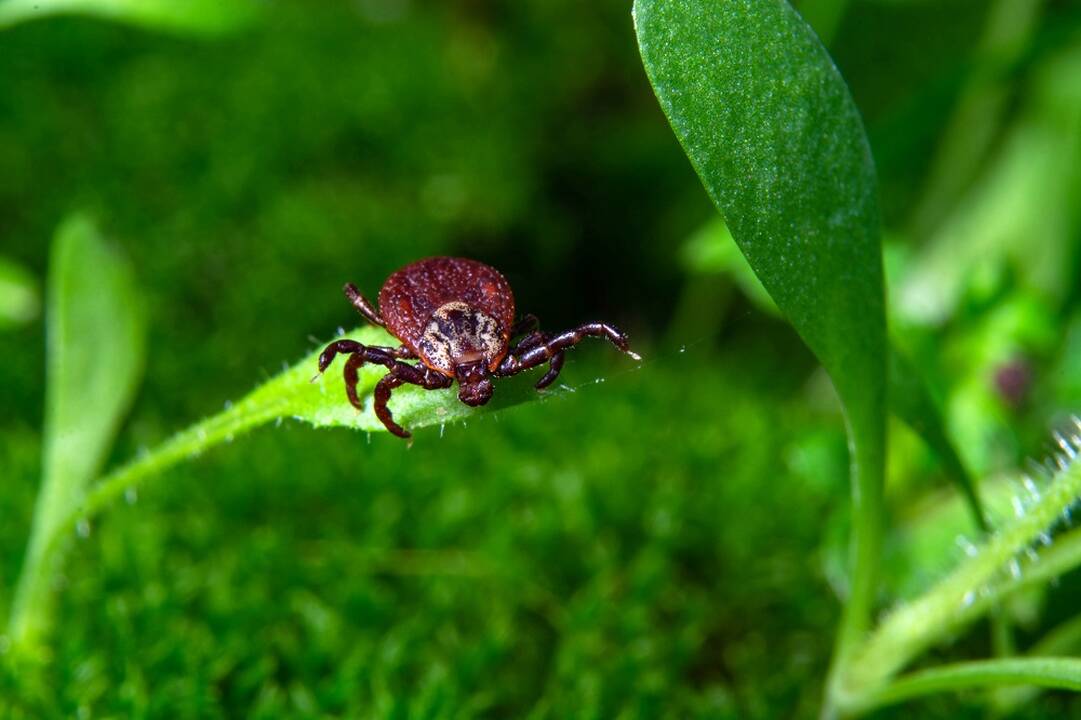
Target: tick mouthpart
[477, 393]
[474, 387]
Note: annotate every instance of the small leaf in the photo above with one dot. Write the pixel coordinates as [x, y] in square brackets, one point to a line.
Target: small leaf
[320, 401]
[19, 303]
[94, 360]
[207, 17]
[769, 126]
[323, 403]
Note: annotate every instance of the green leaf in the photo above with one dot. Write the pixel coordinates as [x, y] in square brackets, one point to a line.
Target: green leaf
[181, 16]
[769, 126]
[993, 569]
[294, 393]
[1052, 672]
[323, 403]
[713, 250]
[19, 302]
[95, 344]
[911, 400]
[1063, 640]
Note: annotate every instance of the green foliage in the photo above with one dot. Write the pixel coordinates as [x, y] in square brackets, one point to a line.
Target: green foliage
[768, 123]
[94, 362]
[712, 250]
[180, 16]
[475, 572]
[19, 303]
[668, 542]
[1046, 672]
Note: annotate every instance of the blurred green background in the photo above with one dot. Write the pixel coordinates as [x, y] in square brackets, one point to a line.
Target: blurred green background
[666, 544]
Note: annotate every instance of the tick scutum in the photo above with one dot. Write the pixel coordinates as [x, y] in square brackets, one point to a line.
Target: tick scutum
[438, 292]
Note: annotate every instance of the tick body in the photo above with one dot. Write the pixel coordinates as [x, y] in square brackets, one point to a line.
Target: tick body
[456, 317]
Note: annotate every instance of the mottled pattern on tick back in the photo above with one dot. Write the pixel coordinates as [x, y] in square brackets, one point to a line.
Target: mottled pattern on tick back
[449, 311]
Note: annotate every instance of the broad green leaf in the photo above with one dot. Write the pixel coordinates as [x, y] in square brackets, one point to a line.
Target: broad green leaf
[94, 360]
[711, 250]
[19, 302]
[181, 16]
[769, 126]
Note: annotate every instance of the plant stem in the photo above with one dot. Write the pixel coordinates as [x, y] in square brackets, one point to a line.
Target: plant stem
[968, 592]
[284, 395]
[29, 611]
[867, 448]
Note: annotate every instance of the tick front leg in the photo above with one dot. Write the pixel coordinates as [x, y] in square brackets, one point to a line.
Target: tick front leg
[369, 353]
[538, 354]
[363, 306]
[399, 375]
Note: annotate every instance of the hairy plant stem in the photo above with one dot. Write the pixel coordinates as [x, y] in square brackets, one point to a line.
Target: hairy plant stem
[968, 592]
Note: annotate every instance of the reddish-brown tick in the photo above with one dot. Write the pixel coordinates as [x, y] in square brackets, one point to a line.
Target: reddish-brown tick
[456, 317]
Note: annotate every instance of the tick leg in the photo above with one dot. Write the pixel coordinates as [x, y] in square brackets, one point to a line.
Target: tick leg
[531, 340]
[554, 366]
[541, 353]
[535, 339]
[382, 395]
[363, 306]
[528, 323]
[400, 374]
[369, 353]
[350, 373]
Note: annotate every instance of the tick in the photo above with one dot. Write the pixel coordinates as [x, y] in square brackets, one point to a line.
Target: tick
[456, 317]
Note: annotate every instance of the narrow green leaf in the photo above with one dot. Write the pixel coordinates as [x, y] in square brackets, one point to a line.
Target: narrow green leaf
[998, 566]
[95, 343]
[713, 250]
[290, 394]
[19, 303]
[911, 400]
[1063, 640]
[1052, 672]
[180, 16]
[769, 125]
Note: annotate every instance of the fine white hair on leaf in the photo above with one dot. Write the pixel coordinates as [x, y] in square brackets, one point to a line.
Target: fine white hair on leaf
[1030, 487]
[1018, 506]
[1065, 444]
[966, 545]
